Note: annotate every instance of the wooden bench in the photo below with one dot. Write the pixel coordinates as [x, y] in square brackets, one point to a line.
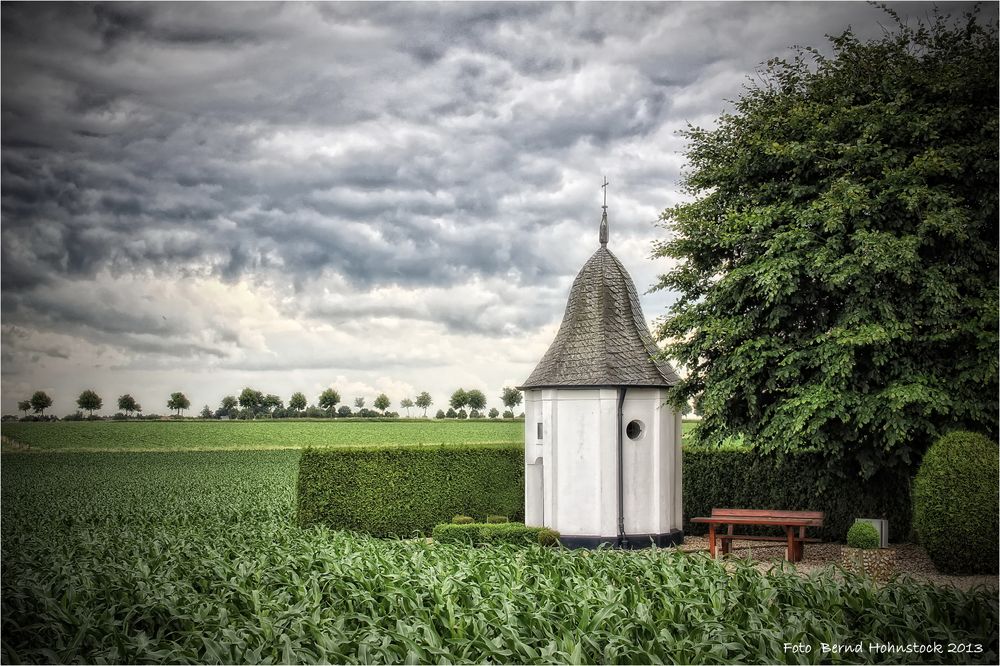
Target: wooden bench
[794, 523]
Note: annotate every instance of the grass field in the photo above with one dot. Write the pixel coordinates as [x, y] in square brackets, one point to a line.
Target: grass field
[252, 435]
[264, 434]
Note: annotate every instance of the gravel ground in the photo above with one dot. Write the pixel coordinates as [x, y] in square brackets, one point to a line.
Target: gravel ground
[910, 559]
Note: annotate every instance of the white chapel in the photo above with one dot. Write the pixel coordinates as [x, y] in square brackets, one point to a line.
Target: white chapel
[602, 447]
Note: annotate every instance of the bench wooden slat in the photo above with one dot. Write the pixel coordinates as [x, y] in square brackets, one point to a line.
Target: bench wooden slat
[751, 537]
[761, 520]
[767, 513]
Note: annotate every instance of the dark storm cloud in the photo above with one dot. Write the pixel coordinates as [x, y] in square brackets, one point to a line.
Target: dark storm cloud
[105, 319]
[124, 122]
[420, 145]
[496, 314]
[23, 341]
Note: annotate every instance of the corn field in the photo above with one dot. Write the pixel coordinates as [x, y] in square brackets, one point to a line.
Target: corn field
[194, 557]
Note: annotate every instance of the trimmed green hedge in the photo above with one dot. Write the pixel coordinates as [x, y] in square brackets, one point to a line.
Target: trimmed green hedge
[495, 533]
[403, 491]
[800, 481]
[955, 499]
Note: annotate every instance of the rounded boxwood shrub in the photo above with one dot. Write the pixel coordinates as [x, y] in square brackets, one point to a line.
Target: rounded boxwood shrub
[955, 497]
[497, 519]
[863, 535]
[462, 520]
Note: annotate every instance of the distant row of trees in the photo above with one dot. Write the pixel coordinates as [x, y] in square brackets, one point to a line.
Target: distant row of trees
[474, 414]
[89, 400]
[251, 403]
[38, 403]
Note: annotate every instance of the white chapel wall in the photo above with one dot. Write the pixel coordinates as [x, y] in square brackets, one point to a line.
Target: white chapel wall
[571, 480]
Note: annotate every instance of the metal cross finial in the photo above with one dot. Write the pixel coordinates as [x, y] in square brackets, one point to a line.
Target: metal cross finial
[604, 217]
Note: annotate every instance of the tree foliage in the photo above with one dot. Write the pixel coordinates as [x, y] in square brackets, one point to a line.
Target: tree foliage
[251, 400]
[272, 403]
[459, 399]
[382, 402]
[328, 399]
[89, 400]
[511, 398]
[178, 402]
[837, 272]
[40, 401]
[476, 399]
[424, 401]
[24, 406]
[406, 403]
[127, 404]
[297, 401]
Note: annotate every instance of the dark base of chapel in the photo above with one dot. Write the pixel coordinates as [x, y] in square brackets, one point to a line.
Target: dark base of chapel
[631, 541]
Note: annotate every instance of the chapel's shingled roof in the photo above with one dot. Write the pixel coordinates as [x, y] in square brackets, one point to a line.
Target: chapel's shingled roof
[603, 339]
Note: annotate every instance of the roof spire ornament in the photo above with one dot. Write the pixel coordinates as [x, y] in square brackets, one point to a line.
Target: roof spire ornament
[604, 217]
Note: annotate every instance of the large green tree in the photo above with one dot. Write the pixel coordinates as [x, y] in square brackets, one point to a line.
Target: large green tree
[228, 406]
[297, 402]
[127, 404]
[511, 398]
[406, 403]
[270, 403]
[476, 399]
[90, 401]
[837, 265]
[424, 401]
[328, 399]
[178, 402]
[40, 401]
[459, 399]
[252, 400]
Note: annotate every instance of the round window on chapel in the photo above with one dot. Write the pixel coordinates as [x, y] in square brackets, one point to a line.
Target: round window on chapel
[635, 430]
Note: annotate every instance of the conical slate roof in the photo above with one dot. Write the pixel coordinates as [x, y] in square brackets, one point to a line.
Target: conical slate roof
[603, 339]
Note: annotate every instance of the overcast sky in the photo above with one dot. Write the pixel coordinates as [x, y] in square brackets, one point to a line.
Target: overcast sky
[376, 197]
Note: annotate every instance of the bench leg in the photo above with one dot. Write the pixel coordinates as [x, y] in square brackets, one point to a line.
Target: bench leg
[795, 548]
[711, 541]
